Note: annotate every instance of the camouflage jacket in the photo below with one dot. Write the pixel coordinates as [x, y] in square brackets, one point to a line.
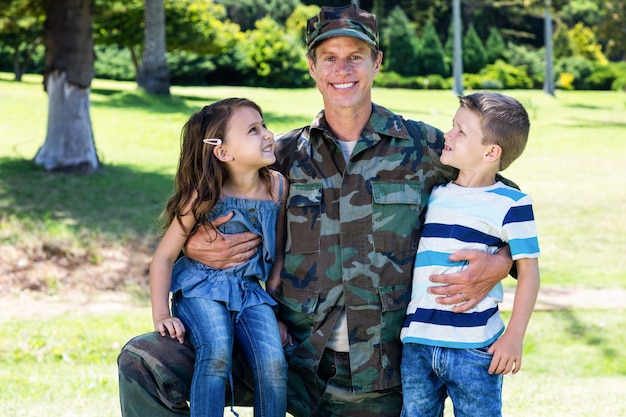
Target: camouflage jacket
[352, 234]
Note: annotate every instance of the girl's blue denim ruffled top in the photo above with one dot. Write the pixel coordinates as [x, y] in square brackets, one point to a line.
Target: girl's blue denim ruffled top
[238, 287]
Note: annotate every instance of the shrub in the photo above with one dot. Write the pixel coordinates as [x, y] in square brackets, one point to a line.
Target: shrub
[114, 63]
[506, 76]
[580, 68]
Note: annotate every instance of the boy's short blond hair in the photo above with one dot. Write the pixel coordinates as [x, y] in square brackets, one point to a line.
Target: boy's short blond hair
[503, 121]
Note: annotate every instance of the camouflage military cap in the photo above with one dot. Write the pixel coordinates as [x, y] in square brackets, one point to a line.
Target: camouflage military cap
[342, 21]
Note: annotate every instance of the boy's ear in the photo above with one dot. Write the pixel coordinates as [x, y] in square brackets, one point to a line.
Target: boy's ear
[222, 153]
[493, 152]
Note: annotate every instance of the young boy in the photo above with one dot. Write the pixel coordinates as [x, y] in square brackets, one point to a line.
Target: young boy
[465, 355]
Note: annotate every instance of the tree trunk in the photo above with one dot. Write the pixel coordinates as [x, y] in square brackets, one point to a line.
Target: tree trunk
[69, 144]
[153, 74]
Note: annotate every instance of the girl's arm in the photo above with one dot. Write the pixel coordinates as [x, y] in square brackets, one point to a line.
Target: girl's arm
[161, 277]
[507, 350]
[274, 279]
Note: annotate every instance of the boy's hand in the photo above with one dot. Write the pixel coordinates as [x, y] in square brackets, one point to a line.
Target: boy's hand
[507, 355]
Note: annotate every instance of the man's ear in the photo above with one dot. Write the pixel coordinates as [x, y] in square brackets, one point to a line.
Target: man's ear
[222, 153]
[493, 152]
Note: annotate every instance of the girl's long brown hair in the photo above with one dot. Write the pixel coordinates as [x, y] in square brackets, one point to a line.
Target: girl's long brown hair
[198, 169]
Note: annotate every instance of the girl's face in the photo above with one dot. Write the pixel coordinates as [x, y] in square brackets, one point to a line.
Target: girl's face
[248, 140]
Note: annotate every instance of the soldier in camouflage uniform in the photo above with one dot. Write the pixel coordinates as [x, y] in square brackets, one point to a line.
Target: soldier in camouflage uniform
[360, 177]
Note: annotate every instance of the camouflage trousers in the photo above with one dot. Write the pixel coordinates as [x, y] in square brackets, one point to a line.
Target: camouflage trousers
[155, 375]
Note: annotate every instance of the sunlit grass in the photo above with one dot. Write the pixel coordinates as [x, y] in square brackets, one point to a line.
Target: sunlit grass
[573, 168]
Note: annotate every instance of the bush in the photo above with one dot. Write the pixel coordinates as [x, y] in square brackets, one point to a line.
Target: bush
[113, 63]
[579, 67]
[506, 76]
[188, 68]
[604, 76]
[391, 79]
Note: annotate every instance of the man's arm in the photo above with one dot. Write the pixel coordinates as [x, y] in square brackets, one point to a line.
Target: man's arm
[221, 251]
[468, 287]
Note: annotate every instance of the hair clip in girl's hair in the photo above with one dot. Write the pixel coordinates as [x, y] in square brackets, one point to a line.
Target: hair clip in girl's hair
[215, 142]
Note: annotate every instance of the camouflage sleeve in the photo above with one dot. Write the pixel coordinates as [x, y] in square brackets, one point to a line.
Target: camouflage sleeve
[155, 375]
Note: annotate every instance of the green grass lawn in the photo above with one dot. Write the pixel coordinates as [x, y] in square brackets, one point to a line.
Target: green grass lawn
[573, 168]
[574, 365]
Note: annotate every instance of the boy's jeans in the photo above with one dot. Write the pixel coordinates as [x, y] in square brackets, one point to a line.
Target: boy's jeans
[214, 333]
[430, 374]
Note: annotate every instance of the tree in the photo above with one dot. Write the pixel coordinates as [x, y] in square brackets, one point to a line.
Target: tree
[431, 52]
[584, 44]
[196, 26]
[561, 42]
[247, 12]
[273, 57]
[611, 29]
[474, 54]
[21, 30]
[494, 46]
[400, 43]
[69, 145]
[154, 74]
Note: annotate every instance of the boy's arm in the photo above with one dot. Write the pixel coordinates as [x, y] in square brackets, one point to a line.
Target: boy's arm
[507, 350]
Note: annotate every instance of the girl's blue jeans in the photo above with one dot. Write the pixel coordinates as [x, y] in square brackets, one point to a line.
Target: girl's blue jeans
[215, 332]
[430, 374]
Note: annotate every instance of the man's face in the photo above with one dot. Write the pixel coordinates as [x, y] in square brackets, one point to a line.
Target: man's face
[344, 72]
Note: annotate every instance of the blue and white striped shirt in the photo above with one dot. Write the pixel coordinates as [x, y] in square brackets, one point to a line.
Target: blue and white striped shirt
[485, 218]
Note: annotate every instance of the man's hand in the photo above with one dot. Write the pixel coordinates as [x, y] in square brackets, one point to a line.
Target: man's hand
[285, 336]
[221, 251]
[468, 287]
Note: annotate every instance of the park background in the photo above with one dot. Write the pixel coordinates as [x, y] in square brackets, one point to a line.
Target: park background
[74, 249]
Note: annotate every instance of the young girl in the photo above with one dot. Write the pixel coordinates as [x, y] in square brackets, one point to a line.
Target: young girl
[225, 154]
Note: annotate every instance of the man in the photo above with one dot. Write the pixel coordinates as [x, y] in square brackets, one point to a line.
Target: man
[360, 177]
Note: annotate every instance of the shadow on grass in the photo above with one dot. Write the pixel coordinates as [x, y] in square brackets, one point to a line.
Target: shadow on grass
[588, 333]
[594, 124]
[118, 201]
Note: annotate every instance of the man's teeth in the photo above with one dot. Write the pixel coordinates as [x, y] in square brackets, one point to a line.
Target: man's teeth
[343, 85]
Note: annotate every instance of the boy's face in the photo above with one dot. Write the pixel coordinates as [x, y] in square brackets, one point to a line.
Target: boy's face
[463, 148]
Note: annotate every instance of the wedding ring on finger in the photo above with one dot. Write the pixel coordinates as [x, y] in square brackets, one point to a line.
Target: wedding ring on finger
[463, 299]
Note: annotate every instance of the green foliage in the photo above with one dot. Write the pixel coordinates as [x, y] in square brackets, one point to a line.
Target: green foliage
[431, 55]
[503, 75]
[580, 68]
[561, 43]
[495, 46]
[246, 12]
[610, 29]
[584, 44]
[296, 23]
[532, 60]
[189, 68]
[474, 53]
[391, 79]
[113, 62]
[400, 45]
[21, 36]
[603, 77]
[273, 58]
